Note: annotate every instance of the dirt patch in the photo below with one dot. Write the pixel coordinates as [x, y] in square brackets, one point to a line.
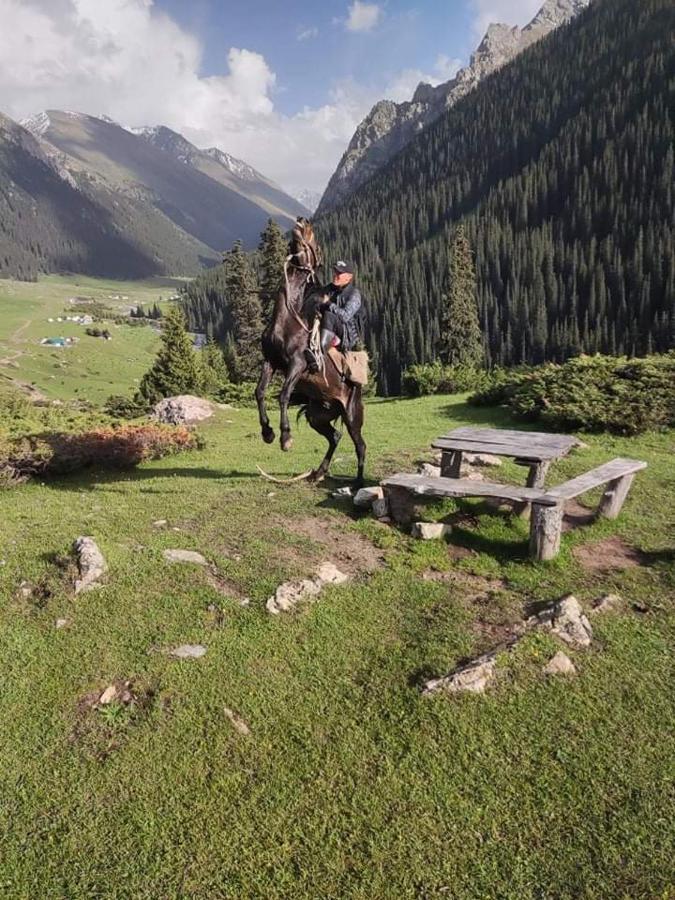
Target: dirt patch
[226, 587]
[474, 585]
[576, 515]
[350, 551]
[604, 556]
[105, 718]
[456, 552]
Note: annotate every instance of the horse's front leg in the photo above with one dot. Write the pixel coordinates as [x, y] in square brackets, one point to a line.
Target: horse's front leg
[265, 378]
[295, 370]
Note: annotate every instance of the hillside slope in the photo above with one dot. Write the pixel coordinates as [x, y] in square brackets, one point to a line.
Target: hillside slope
[560, 165]
[390, 126]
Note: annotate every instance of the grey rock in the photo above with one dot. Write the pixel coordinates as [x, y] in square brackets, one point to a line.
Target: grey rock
[182, 410]
[560, 664]
[108, 696]
[390, 126]
[188, 651]
[90, 562]
[430, 531]
[364, 498]
[185, 556]
[472, 678]
[61, 623]
[160, 523]
[482, 459]
[237, 722]
[565, 618]
[342, 492]
[607, 603]
[430, 471]
[291, 593]
[381, 508]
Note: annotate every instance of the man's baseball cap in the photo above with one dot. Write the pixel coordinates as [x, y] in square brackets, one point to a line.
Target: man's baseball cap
[344, 267]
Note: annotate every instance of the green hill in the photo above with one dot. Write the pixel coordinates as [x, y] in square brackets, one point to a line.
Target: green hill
[560, 165]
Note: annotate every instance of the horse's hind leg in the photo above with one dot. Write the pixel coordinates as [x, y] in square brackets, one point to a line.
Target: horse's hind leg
[265, 378]
[353, 419]
[321, 419]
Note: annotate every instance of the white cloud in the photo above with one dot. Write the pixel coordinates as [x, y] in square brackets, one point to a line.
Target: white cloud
[127, 60]
[510, 12]
[363, 16]
[307, 34]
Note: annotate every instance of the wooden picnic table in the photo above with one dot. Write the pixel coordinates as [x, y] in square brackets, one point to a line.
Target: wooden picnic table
[534, 449]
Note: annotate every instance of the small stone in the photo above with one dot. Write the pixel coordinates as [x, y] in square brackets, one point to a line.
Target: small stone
[90, 563]
[330, 574]
[380, 508]
[606, 603]
[430, 531]
[291, 593]
[160, 523]
[566, 619]
[472, 678]
[364, 498]
[61, 623]
[237, 722]
[482, 459]
[26, 589]
[271, 494]
[188, 651]
[430, 471]
[185, 556]
[108, 695]
[560, 664]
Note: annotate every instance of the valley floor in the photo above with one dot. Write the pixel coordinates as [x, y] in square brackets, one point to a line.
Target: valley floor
[349, 782]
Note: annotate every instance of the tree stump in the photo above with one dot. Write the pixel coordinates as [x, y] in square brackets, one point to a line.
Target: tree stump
[545, 531]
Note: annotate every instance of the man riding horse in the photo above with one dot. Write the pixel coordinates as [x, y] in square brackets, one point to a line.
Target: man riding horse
[340, 309]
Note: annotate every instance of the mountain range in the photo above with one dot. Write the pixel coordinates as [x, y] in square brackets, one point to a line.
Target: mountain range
[82, 193]
[390, 126]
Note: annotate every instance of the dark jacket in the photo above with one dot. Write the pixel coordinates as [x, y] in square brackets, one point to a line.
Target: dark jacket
[344, 306]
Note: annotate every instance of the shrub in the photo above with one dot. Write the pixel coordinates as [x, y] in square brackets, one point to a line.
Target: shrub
[435, 378]
[115, 448]
[599, 393]
[126, 407]
[240, 394]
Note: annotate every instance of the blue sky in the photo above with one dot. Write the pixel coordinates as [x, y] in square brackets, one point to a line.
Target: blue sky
[281, 84]
[309, 48]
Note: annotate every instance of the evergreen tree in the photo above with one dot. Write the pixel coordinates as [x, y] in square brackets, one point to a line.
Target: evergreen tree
[245, 311]
[175, 370]
[461, 342]
[214, 369]
[273, 251]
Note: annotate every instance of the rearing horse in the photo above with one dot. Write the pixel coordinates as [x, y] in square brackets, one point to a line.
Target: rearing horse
[327, 396]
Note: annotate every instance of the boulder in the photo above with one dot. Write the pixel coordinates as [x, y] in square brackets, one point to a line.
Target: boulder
[429, 470]
[430, 531]
[566, 619]
[182, 410]
[560, 664]
[90, 563]
[364, 498]
[185, 556]
[381, 508]
[472, 678]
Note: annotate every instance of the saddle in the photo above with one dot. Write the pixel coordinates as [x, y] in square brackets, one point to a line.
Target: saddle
[352, 365]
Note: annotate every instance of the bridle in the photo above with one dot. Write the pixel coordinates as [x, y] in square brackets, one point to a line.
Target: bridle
[309, 253]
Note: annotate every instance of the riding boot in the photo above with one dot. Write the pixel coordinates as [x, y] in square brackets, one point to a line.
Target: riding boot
[327, 340]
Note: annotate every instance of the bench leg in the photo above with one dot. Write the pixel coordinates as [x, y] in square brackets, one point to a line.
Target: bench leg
[451, 464]
[545, 531]
[401, 504]
[614, 497]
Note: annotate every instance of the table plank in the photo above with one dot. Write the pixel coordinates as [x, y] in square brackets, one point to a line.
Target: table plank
[499, 435]
[610, 471]
[465, 487]
[523, 450]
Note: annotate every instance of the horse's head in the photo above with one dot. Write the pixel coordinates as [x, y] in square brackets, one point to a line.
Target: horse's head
[303, 249]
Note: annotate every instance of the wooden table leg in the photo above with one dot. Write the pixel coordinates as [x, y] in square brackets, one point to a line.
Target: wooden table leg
[536, 478]
[545, 531]
[451, 464]
[614, 496]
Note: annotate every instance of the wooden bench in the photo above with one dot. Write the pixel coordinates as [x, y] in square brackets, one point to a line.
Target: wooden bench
[547, 505]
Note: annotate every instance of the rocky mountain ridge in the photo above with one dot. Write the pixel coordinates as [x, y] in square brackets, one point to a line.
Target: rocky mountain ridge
[390, 126]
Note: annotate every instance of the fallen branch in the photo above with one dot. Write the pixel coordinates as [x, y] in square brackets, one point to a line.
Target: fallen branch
[302, 477]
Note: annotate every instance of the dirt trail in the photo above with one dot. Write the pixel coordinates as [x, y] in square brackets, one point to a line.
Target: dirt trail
[15, 339]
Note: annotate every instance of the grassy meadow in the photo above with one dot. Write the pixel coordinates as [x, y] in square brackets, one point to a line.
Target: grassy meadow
[349, 783]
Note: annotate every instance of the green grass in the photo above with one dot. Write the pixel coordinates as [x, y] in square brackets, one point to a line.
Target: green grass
[351, 785]
[91, 369]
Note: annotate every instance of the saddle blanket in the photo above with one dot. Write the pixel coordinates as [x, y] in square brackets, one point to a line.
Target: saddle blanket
[352, 364]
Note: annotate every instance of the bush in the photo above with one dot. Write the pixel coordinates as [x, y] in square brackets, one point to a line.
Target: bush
[115, 448]
[240, 394]
[126, 407]
[435, 378]
[598, 393]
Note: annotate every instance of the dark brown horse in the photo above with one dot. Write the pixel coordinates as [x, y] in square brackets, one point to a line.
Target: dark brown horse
[326, 397]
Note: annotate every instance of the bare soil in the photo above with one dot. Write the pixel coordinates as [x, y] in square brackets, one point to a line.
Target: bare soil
[608, 554]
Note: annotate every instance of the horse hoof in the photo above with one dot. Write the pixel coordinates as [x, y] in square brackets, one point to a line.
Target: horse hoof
[286, 443]
[268, 435]
[316, 477]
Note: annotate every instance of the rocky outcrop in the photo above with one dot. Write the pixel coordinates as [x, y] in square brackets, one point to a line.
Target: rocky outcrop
[390, 126]
[90, 563]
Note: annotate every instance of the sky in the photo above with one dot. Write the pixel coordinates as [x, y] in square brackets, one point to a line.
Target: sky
[281, 84]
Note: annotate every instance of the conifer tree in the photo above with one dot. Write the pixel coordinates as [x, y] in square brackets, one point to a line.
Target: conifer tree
[214, 369]
[175, 370]
[273, 251]
[246, 314]
[460, 341]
